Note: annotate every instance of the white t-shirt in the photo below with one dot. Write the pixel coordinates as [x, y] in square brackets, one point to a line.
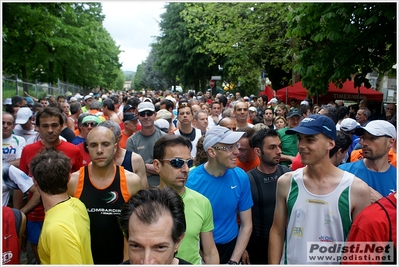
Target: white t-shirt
[24, 133]
[14, 178]
[12, 147]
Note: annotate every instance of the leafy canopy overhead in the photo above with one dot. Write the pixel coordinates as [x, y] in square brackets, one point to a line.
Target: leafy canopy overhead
[337, 40]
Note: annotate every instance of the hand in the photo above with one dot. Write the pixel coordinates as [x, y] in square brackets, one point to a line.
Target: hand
[26, 93]
[245, 258]
[374, 195]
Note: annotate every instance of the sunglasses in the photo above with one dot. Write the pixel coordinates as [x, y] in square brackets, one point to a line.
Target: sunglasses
[92, 124]
[184, 104]
[178, 163]
[149, 113]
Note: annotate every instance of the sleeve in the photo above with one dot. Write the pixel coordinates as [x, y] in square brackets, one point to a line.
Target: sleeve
[23, 181]
[207, 226]
[23, 164]
[130, 145]
[78, 161]
[245, 201]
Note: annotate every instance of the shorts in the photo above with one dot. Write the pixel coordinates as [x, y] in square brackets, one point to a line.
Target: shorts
[33, 230]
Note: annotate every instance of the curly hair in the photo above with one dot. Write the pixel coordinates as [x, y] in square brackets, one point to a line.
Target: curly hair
[201, 156]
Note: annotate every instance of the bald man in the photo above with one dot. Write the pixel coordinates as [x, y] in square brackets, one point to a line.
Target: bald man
[103, 187]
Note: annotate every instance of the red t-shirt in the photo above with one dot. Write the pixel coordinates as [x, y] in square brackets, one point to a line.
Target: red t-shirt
[70, 150]
[296, 163]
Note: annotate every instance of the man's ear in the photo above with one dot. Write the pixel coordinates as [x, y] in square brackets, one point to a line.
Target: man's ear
[157, 165]
[179, 242]
[211, 152]
[257, 151]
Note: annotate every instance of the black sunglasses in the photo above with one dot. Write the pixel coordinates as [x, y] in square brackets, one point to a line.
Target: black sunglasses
[92, 124]
[149, 113]
[178, 163]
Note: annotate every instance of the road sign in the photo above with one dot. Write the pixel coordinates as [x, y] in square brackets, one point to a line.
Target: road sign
[216, 78]
[212, 83]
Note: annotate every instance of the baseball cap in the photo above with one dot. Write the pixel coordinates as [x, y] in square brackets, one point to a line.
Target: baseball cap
[162, 125]
[129, 117]
[293, 112]
[378, 128]
[348, 125]
[91, 118]
[73, 99]
[7, 101]
[29, 101]
[87, 97]
[23, 115]
[143, 106]
[163, 114]
[315, 124]
[253, 109]
[220, 134]
[147, 99]
[127, 108]
[273, 100]
[304, 102]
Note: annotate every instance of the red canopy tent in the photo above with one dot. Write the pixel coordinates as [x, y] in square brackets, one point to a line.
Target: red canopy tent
[347, 92]
[268, 92]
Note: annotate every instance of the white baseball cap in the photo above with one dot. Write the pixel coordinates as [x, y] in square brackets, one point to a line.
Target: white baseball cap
[23, 115]
[220, 134]
[378, 128]
[348, 125]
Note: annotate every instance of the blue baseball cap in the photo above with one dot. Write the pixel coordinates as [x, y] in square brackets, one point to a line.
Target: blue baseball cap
[315, 124]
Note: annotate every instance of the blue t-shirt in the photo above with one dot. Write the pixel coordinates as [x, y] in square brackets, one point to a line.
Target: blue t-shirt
[227, 194]
[382, 182]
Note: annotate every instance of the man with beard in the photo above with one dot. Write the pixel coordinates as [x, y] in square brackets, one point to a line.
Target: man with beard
[263, 179]
[268, 118]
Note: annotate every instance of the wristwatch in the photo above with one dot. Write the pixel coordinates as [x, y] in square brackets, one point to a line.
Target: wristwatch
[230, 262]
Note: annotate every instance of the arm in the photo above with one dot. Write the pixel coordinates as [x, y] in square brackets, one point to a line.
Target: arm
[210, 252]
[287, 158]
[243, 235]
[277, 231]
[73, 183]
[360, 197]
[71, 124]
[150, 169]
[139, 167]
[133, 182]
[33, 202]
[374, 195]
[14, 162]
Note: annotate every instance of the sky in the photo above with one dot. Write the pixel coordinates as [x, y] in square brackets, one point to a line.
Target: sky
[133, 25]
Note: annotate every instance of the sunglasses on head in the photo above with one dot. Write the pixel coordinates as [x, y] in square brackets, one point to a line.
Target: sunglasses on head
[92, 124]
[178, 163]
[146, 112]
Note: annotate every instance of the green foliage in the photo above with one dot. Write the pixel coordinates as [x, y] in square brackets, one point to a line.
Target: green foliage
[46, 41]
[247, 37]
[129, 75]
[336, 40]
[176, 53]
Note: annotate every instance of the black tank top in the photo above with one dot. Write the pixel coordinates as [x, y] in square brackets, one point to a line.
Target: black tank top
[103, 206]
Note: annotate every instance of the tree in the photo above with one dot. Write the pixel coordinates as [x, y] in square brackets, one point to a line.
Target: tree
[138, 81]
[47, 41]
[177, 56]
[337, 40]
[246, 38]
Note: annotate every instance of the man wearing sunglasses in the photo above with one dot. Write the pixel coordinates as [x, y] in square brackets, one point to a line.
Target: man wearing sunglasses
[88, 123]
[142, 142]
[227, 188]
[172, 161]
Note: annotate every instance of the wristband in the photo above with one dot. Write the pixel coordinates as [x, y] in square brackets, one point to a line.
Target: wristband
[230, 262]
